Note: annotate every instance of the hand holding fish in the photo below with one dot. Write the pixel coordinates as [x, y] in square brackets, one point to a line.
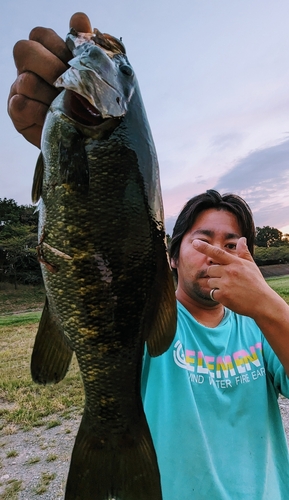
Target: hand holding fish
[39, 62]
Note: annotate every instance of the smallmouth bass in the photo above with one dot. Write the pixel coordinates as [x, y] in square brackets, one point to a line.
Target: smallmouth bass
[104, 262]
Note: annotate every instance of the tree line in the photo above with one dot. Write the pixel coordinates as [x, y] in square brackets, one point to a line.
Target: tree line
[18, 242]
[272, 246]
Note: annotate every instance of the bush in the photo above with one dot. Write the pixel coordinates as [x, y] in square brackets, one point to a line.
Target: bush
[272, 255]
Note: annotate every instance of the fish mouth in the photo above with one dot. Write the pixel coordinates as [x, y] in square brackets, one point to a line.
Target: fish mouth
[81, 110]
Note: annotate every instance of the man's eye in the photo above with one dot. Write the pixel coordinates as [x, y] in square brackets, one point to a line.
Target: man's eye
[231, 246]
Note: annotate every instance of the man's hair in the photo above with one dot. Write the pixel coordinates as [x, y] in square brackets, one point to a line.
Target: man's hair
[212, 199]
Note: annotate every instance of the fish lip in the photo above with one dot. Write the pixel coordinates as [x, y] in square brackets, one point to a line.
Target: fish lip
[105, 96]
[81, 110]
[99, 76]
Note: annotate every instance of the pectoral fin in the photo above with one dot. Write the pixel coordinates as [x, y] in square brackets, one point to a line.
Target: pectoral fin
[51, 353]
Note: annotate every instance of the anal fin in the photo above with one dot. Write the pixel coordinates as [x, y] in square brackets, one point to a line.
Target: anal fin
[51, 354]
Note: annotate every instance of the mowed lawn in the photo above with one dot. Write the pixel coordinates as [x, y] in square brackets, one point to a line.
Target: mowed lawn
[281, 285]
[22, 402]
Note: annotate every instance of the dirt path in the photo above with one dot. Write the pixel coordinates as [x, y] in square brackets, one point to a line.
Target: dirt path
[39, 459]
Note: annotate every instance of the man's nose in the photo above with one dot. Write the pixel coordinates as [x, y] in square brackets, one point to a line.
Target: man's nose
[211, 261]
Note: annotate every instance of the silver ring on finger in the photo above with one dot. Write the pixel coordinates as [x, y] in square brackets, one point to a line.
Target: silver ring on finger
[212, 294]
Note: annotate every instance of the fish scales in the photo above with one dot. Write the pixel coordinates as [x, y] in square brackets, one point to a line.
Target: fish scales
[108, 283]
[103, 274]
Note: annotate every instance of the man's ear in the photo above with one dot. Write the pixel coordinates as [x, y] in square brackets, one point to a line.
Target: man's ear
[174, 264]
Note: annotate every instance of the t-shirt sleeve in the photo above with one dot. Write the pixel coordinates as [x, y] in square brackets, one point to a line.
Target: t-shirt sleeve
[275, 369]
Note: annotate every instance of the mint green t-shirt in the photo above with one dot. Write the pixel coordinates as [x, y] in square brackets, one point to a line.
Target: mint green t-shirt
[211, 404]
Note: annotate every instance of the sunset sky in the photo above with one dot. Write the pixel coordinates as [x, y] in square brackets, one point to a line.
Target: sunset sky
[214, 76]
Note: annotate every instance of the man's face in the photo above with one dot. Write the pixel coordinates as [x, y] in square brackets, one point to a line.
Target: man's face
[218, 228]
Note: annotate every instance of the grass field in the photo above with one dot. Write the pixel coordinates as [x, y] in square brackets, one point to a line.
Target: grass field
[24, 298]
[281, 286]
[21, 401]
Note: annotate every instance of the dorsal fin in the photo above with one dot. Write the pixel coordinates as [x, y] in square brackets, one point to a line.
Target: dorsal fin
[38, 179]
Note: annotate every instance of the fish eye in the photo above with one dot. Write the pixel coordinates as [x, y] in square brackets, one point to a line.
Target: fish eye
[126, 69]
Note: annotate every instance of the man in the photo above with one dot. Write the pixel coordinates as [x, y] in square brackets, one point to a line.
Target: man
[211, 399]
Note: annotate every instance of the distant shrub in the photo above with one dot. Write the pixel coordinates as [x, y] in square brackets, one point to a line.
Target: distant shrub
[272, 255]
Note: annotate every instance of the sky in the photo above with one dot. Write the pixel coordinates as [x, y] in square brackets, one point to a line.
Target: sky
[214, 76]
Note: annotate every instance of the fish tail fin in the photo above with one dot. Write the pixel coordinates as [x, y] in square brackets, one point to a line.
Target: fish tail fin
[51, 354]
[121, 468]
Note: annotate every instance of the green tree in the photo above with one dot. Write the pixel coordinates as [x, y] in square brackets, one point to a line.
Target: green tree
[13, 214]
[267, 236]
[20, 260]
[9, 212]
[18, 241]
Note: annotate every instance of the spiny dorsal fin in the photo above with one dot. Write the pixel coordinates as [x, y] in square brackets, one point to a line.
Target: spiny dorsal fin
[38, 179]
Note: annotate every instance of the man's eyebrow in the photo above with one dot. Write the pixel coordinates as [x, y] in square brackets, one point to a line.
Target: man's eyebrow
[208, 232]
[231, 236]
[205, 232]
